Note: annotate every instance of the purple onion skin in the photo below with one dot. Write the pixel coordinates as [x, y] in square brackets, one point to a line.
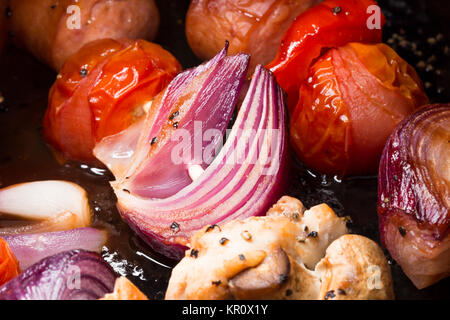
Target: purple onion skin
[177, 251]
[70, 275]
[31, 248]
[413, 195]
[172, 251]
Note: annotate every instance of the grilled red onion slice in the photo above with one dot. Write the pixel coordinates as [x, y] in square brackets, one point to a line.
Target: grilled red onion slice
[70, 275]
[245, 178]
[414, 195]
[197, 100]
[31, 248]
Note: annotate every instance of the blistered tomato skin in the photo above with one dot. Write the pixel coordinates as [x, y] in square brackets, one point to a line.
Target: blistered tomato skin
[352, 100]
[320, 125]
[253, 26]
[101, 90]
[9, 267]
[55, 30]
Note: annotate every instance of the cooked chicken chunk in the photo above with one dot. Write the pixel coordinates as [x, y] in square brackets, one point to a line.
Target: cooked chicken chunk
[292, 253]
[124, 289]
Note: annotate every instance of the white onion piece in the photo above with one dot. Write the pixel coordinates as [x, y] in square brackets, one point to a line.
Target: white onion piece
[56, 205]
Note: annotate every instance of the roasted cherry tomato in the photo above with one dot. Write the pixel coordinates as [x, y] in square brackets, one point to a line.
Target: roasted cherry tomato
[332, 23]
[352, 100]
[9, 267]
[101, 90]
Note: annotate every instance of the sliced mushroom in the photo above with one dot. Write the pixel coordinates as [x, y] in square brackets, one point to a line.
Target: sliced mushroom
[263, 280]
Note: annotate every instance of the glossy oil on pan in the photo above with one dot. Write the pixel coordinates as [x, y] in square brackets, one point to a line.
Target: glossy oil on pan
[417, 30]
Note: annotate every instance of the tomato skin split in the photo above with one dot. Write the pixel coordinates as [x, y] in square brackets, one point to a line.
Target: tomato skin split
[101, 90]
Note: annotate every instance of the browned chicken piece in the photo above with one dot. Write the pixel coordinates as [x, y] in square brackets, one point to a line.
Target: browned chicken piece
[291, 253]
[254, 26]
[54, 30]
[355, 257]
[124, 289]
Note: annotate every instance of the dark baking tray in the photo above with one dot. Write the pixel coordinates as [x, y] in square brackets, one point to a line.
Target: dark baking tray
[418, 30]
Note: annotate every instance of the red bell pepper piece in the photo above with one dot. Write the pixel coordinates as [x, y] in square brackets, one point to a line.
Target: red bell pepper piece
[332, 23]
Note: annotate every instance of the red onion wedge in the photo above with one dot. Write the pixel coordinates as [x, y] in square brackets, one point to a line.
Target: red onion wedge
[49, 205]
[70, 275]
[30, 248]
[414, 195]
[197, 100]
[244, 179]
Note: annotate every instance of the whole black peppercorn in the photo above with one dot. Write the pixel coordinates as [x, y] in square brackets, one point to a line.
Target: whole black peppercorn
[83, 72]
[283, 277]
[173, 115]
[312, 234]
[175, 227]
[336, 10]
[8, 12]
[329, 295]
[211, 227]
[194, 253]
